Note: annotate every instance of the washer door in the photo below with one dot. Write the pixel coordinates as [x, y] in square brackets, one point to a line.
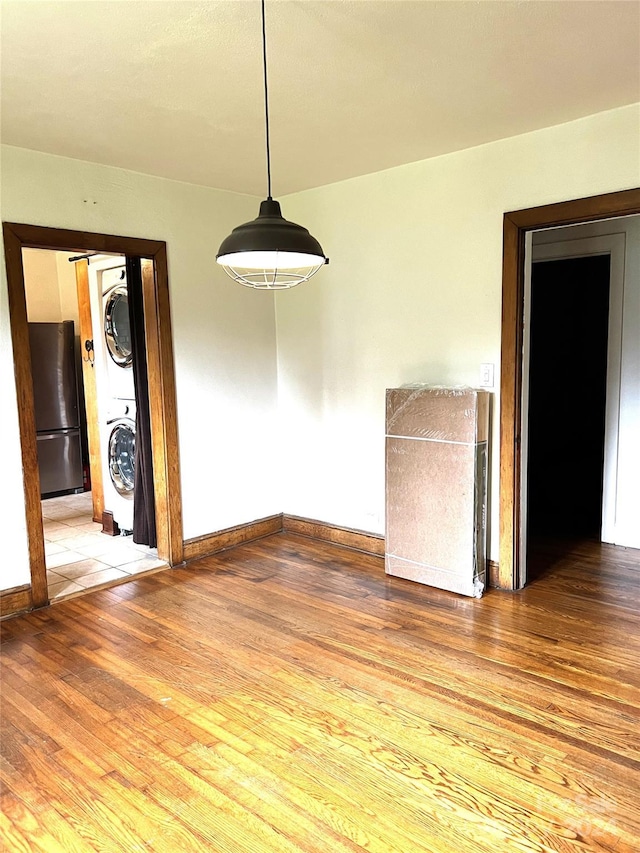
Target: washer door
[117, 330]
[122, 456]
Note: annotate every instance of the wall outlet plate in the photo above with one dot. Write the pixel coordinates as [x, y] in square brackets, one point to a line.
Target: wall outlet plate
[486, 375]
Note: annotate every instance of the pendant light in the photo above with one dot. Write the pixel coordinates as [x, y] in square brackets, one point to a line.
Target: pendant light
[270, 253]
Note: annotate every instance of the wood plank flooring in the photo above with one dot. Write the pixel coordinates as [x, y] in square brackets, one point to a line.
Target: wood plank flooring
[287, 697]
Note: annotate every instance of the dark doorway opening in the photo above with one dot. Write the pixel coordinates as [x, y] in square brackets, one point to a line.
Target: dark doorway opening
[567, 399]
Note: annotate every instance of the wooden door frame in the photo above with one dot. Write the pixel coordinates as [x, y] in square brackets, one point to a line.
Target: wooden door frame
[161, 382]
[515, 227]
[85, 324]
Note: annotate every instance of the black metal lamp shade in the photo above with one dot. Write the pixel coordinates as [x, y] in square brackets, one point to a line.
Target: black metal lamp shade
[270, 253]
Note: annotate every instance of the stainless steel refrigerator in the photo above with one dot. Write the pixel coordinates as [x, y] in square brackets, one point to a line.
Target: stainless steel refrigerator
[55, 393]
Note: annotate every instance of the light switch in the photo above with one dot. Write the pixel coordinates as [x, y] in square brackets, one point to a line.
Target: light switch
[486, 375]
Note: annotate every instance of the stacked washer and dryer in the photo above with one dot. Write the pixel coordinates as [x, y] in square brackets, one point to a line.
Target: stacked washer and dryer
[115, 385]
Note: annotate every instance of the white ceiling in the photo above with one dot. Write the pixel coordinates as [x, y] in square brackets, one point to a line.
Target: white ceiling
[356, 86]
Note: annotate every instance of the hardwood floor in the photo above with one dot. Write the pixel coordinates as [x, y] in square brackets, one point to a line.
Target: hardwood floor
[286, 696]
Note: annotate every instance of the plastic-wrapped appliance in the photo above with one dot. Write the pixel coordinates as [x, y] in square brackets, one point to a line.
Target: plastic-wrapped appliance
[436, 486]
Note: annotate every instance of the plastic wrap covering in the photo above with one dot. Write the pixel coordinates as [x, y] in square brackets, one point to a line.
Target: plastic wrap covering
[436, 486]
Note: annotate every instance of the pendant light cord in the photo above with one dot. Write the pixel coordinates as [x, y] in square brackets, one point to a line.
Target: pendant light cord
[266, 100]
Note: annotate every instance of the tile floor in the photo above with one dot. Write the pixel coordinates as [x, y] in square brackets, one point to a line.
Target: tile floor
[79, 556]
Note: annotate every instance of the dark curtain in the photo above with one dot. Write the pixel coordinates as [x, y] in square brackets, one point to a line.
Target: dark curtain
[144, 501]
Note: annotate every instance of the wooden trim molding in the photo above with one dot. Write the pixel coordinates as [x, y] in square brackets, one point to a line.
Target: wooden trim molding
[162, 407]
[13, 246]
[358, 540]
[212, 543]
[516, 225]
[64, 240]
[161, 380]
[15, 600]
[90, 389]
[510, 398]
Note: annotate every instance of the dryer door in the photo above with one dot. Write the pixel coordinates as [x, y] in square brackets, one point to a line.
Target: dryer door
[117, 330]
[122, 456]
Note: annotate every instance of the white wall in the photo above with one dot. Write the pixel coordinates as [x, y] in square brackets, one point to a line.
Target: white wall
[621, 521]
[41, 286]
[413, 294]
[224, 335]
[68, 289]
[50, 287]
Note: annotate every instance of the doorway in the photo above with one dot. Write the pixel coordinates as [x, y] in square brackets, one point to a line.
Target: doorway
[90, 420]
[517, 229]
[566, 411]
[159, 351]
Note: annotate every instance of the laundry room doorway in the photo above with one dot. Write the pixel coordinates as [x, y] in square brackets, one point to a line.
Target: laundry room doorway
[118, 399]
